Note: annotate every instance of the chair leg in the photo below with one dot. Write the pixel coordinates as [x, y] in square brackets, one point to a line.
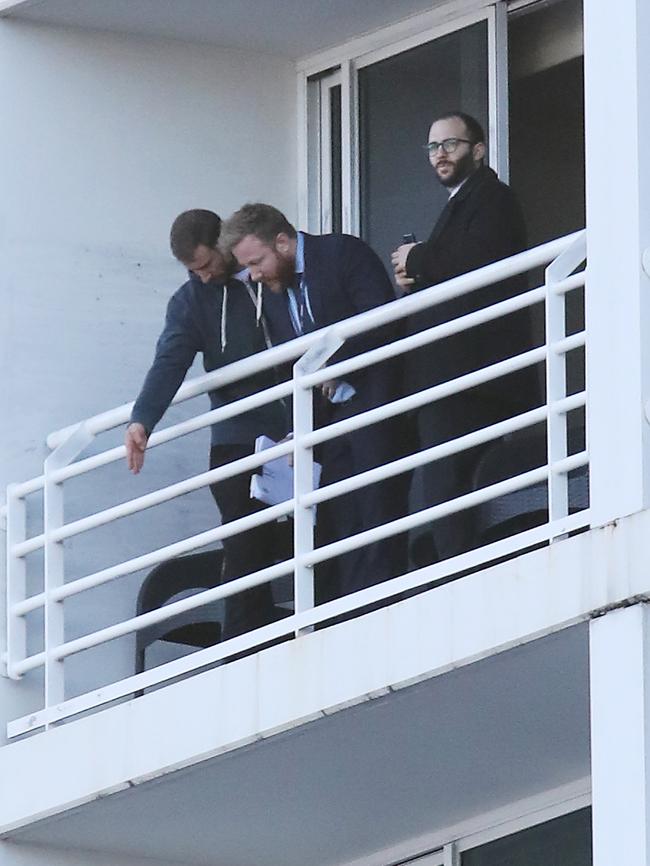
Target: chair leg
[139, 667]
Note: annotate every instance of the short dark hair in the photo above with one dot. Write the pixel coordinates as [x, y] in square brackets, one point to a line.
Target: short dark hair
[474, 128]
[262, 220]
[191, 229]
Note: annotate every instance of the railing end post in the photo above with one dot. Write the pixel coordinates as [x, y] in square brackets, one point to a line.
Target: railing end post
[319, 354]
[67, 449]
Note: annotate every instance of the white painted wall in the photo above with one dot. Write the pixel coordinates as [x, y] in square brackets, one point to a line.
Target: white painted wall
[105, 138]
[618, 244]
[620, 658]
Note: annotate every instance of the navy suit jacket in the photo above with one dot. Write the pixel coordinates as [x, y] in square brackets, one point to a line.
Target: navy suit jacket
[344, 276]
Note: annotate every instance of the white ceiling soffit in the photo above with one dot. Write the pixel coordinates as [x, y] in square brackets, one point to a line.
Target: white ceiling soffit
[289, 28]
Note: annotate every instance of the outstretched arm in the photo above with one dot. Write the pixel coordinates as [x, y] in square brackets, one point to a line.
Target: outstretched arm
[175, 351]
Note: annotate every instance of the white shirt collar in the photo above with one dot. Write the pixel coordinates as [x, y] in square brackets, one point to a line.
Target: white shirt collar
[454, 189]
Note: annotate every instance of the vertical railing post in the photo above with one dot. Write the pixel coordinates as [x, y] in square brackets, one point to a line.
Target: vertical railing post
[54, 577]
[556, 422]
[303, 468]
[16, 579]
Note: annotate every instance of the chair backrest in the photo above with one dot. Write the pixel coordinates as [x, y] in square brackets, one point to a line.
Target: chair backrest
[198, 627]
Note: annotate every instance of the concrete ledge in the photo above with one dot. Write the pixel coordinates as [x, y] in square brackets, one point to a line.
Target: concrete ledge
[286, 686]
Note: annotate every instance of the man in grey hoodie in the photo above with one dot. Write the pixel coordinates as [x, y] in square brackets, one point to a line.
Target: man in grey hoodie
[214, 314]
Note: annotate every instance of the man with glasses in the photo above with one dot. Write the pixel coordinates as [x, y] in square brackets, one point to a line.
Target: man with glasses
[480, 224]
[213, 313]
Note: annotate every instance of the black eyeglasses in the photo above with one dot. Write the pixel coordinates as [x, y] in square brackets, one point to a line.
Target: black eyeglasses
[449, 145]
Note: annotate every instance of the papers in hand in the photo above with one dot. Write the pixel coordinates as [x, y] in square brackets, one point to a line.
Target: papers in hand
[274, 484]
[344, 392]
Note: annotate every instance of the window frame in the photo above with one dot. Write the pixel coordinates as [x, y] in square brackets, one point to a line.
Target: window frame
[344, 62]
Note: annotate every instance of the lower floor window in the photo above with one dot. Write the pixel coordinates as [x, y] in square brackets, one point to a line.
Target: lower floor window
[564, 841]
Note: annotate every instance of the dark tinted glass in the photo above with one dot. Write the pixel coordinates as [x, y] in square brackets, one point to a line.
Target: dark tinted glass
[335, 145]
[399, 97]
[566, 841]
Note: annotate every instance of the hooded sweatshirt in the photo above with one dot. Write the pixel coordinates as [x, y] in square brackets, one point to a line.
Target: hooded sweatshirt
[218, 320]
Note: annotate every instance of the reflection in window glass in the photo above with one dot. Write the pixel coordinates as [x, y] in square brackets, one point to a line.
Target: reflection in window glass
[336, 153]
[398, 99]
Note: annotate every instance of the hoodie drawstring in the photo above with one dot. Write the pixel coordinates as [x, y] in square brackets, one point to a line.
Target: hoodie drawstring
[224, 312]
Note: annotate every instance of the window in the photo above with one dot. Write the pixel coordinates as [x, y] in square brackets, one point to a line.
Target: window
[564, 841]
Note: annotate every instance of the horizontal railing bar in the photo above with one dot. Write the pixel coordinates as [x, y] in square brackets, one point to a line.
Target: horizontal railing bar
[568, 464]
[290, 351]
[337, 371]
[154, 557]
[331, 431]
[284, 389]
[380, 413]
[422, 398]
[160, 437]
[563, 287]
[157, 497]
[567, 344]
[251, 461]
[394, 468]
[437, 452]
[238, 370]
[323, 553]
[152, 617]
[183, 428]
[26, 488]
[388, 470]
[423, 338]
[568, 404]
[435, 512]
[362, 322]
[440, 570]
[202, 658]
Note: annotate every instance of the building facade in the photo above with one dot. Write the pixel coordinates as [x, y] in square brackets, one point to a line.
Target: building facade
[496, 717]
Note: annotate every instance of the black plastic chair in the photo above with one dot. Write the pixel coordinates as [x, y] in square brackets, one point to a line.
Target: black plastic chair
[200, 627]
[527, 508]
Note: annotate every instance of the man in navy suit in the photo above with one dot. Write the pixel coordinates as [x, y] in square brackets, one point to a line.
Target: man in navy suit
[311, 282]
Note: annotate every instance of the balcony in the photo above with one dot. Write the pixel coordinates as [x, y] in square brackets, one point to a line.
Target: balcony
[416, 682]
[457, 703]
[59, 589]
[452, 686]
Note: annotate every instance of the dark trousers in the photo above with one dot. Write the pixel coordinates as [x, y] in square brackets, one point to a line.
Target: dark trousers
[359, 510]
[245, 552]
[454, 476]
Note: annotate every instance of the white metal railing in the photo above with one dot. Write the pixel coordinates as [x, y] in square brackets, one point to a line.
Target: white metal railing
[311, 352]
